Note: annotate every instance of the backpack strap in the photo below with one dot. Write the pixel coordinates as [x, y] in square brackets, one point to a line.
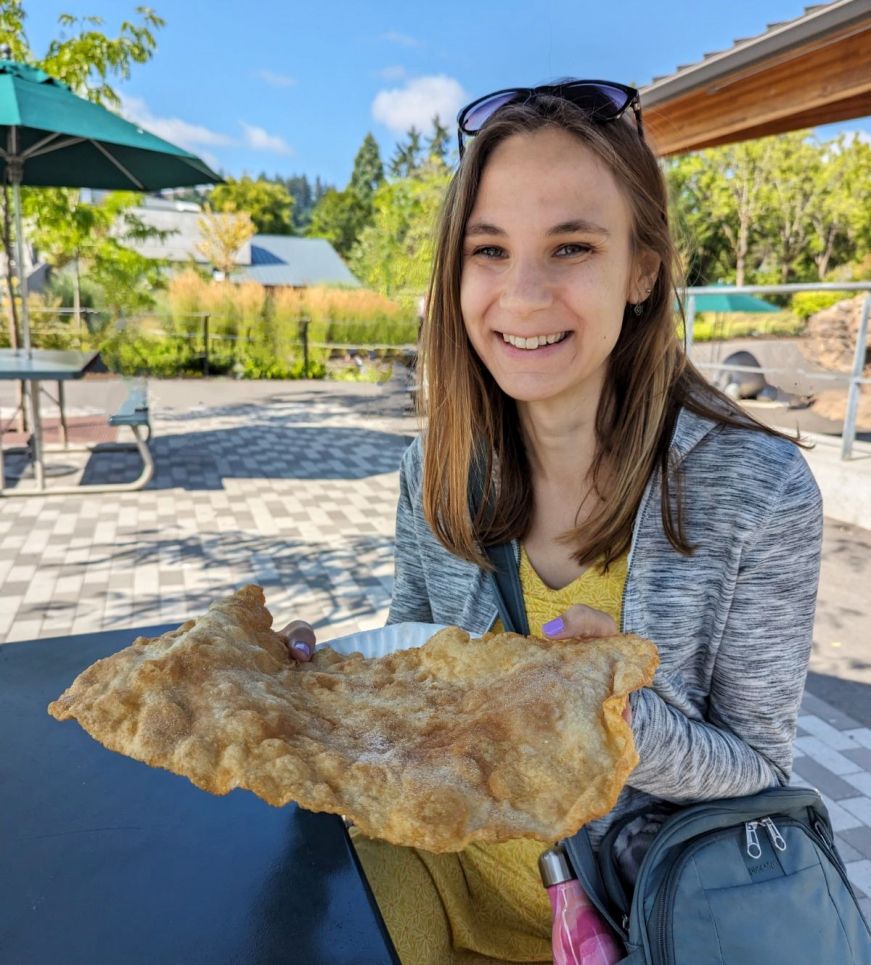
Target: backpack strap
[586, 866]
[505, 578]
[509, 593]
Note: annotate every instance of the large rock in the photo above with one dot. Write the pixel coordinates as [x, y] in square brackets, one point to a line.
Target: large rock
[831, 335]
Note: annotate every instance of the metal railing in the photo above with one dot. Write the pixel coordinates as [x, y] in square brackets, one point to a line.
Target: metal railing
[855, 379]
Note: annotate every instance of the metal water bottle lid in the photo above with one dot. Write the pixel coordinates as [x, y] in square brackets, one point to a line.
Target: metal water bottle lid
[554, 868]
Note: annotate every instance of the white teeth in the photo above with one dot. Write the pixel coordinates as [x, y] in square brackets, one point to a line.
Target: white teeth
[518, 341]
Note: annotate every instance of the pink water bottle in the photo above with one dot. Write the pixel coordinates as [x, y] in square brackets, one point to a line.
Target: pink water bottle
[580, 935]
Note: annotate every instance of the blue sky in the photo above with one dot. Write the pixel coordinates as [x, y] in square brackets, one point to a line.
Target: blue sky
[293, 88]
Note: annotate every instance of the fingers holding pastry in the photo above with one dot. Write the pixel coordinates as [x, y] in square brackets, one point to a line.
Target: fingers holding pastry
[300, 639]
[581, 621]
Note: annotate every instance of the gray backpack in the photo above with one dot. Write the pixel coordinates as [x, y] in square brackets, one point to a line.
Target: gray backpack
[752, 880]
[743, 881]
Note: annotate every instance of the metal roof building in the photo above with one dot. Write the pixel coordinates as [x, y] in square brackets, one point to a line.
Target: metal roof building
[278, 260]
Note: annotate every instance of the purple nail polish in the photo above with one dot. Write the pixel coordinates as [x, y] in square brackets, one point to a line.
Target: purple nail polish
[301, 648]
[554, 627]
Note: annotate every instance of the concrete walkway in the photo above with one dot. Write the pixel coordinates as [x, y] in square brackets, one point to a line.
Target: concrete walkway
[293, 486]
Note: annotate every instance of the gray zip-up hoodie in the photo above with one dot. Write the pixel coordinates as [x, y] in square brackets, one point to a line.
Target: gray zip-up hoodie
[733, 622]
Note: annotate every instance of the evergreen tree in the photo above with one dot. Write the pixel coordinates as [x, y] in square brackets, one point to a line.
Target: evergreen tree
[406, 158]
[368, 171]
[439, 144]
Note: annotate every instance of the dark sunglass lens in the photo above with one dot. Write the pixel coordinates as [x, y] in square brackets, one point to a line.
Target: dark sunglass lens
[481, 113]
[601, 101]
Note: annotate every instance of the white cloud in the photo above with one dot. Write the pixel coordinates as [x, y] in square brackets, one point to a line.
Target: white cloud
[417, 102]
[392, 73]
[172, 129]
[402, 40]
[276, 80]
[259, 139]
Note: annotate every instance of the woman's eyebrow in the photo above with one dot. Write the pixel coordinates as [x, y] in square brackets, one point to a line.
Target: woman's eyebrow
[578, 226]
[575, 226]
[483, 228]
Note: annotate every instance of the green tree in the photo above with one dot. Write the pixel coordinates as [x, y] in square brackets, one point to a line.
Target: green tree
[842, 221]
[407, 155]
[336, 217]
[89, 61]
[269, 203]
[71, 232]
[368, 173]
[439, 144]
[341, 216]
[394, 253]
[717, 196]
[795, 188]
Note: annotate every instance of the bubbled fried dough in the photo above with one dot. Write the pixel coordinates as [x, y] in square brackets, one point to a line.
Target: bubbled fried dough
[457, 741]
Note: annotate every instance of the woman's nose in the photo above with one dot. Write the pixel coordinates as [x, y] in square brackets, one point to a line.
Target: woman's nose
[525, 289]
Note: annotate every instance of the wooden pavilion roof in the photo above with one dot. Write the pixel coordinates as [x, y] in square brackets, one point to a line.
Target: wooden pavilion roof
[813, 70]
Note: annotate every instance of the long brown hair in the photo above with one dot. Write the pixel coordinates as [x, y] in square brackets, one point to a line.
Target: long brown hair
[470, 421]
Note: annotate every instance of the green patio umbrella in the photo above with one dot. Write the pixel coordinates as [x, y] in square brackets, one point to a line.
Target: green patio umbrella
[730, 302]
[51, 137]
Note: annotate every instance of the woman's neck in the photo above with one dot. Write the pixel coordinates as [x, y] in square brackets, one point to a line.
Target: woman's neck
[561, 441]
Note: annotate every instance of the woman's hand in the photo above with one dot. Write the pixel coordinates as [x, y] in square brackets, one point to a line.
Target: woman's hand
[300, 640]
[581, 621]
[585, 621]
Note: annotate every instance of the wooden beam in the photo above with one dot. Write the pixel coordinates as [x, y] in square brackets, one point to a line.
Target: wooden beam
[820, 82]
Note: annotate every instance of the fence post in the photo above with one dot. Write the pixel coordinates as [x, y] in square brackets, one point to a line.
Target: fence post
[689, 324]
[849, 432]
[304, 333]
[206, 344]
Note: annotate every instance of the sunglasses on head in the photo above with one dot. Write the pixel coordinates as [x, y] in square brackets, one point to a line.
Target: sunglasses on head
[602, 100]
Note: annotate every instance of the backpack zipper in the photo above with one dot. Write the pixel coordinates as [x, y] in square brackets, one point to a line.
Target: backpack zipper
[774, 834]
[753, 848]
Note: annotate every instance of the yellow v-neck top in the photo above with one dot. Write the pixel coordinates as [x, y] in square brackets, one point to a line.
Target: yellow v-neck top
[485, 903]
[602, 591]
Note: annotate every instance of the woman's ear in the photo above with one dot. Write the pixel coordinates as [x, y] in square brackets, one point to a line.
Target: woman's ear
[644, 276]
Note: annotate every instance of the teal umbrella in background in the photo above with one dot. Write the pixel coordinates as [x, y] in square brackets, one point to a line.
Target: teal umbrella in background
[51, 137]
[730, 302]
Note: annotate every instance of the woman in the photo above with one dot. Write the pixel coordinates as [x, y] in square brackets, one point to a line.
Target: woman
[636, 496]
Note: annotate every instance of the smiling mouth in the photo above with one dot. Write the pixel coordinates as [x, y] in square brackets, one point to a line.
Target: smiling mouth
[535, 341]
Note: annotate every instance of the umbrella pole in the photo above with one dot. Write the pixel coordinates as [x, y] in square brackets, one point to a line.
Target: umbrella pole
[32, 388]
[22, 274]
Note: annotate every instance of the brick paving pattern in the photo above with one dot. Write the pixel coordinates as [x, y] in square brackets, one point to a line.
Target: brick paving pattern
[292, 486]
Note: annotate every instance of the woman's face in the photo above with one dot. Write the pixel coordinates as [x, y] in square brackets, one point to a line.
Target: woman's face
[547, 268]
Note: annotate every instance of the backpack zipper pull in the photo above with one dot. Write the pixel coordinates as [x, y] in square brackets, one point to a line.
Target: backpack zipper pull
[774, 834]
[753, 847]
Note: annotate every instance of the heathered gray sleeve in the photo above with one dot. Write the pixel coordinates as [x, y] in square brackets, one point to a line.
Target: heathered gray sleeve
[745, 744]
[410, 602]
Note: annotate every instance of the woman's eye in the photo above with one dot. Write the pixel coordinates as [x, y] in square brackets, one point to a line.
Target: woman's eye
[490, 251]
[573, 249]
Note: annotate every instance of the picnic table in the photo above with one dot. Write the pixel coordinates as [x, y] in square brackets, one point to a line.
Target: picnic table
[105, 860]
[42, 365]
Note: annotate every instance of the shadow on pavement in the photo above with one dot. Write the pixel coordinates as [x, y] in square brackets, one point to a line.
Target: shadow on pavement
[849, 696]
[202, 460]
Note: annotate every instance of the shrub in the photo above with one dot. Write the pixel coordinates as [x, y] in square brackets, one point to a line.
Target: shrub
[805, 304]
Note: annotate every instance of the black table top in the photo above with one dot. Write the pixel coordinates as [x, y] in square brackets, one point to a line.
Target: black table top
[44, 364]
[104, 860]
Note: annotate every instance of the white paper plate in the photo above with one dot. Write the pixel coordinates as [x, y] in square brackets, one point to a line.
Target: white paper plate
[384, 640]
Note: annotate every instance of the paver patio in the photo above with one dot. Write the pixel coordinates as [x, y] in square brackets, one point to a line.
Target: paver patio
[292, 486]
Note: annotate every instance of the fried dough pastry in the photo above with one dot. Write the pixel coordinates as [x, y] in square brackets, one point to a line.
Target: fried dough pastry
[457, 741]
